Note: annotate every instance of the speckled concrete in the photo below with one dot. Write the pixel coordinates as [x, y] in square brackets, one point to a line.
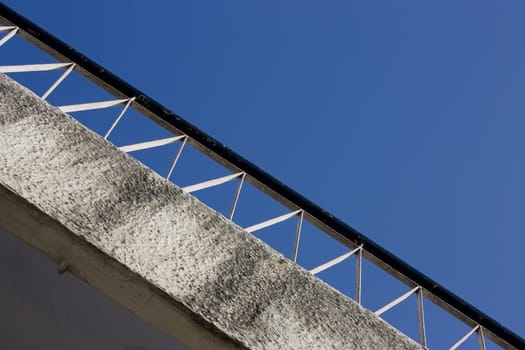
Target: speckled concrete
[233, 285]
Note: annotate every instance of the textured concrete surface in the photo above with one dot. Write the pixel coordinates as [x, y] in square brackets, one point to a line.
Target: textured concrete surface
[159, 251]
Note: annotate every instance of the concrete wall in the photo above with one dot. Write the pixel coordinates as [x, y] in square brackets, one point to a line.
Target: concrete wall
[158, 251]
[44, 310]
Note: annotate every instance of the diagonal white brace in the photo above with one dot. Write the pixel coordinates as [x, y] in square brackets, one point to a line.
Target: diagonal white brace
[58, 81]
[236, 197]
[295, 251]
[465, 337]
[122, 112]
[211, 183]
[150, 144]
[271, 222]
[177, 156]
[9, 35]
[396, 301]
[7, 28]
[23, 68]
[335, 261]
[92, 105]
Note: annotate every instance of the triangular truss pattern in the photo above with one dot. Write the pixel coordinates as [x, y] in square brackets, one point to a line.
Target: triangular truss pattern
[241, 170]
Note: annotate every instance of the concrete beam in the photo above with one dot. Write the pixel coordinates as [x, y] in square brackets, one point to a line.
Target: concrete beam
[157, 250]
[45, 310]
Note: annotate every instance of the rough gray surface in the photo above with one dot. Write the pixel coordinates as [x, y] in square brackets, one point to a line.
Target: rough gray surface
[219, 272]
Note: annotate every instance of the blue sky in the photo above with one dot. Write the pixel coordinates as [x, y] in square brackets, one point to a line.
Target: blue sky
[405, 119]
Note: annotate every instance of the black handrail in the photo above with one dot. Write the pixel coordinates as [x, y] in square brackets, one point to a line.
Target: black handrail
[114, 84]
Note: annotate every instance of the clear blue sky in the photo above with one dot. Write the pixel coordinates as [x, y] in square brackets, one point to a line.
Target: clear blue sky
[406, 119]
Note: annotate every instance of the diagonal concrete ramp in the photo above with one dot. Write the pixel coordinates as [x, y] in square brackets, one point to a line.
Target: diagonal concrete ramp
[160, 252]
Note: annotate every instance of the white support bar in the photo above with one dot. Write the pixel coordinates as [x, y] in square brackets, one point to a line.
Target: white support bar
[335, 261]
[23, 68]
[295, 251]
[9, 35]
[177, 156]
[58, 81]
[91, 106]
[130, 101]
[150, 144]
[236, 197]
[465, 337]
[7, 28]
[396, 301]
[271, 222]
[481, 339]
[421, 318]
[358, 273]
[211, 183]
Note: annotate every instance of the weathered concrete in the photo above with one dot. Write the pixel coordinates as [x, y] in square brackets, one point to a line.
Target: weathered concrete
[158, 251]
